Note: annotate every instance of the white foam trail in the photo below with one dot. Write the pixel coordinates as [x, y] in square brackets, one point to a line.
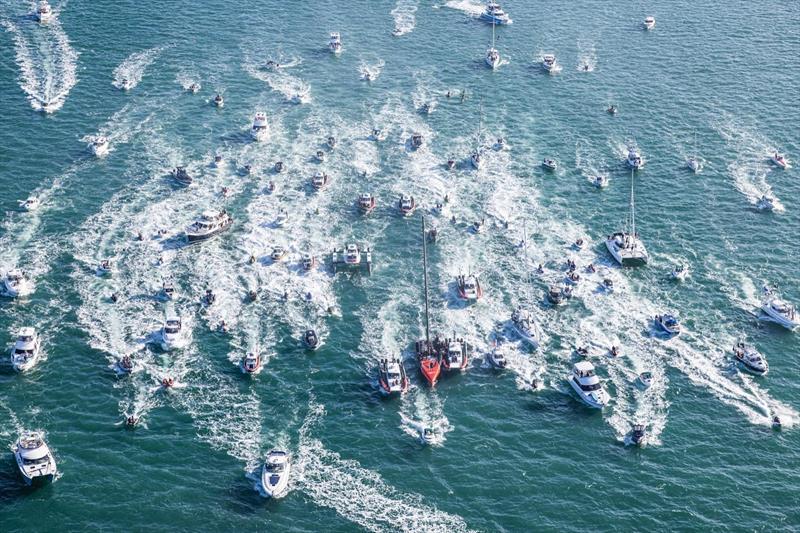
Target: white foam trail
[294, 89]
[371, 71]
[404, 14]
[467, 6]
[133, 68]
[122, 127]
[587, 57]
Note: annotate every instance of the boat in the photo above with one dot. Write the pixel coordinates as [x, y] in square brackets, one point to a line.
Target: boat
[209, 298]
[378, 135]
[451, 164]
[280, 167]
[776, 423]
[218, 161]
[320, 180]
[308, 261]
[476, 159]
[500, 144]
[104, 268]
[469, 288]
[34, 458]
[693, 164]
[172, 333]
[427, 107]
[668, 324]
[492, 55]
[180, 175]
[779, 160]
[525, 326]
[392, 376]
[680, 272]
[278, 253]
[125, 365]
[168, 291]
[219, 101]
[765, 203]
[601, 182]
[612, 110]
[126, 84]
[496, 357]
[416, 141]
[495, 14]
[208, 225]
[44, 13]
[455, 354]
[99, 146]
[16, 284]
[556, 295]
[478, 226]
[366, 203]
[282, 218]
[31, 203]
[406, 204]
[638, 434]
[549, 164]
[608, 285]
[320, 156]
[351, 257]
[335, 43]
[549, 63]
[778, 310]
[645, 379]
[634, 158]
[194, 88]
[625, 246]
[251, 363]
[275, 473]
[429, 353]
[26, 350]
[750, 359]
[331, 142]
[427, 435]
[311, 339]
[649, 23]
[585, 382]
[260, 129]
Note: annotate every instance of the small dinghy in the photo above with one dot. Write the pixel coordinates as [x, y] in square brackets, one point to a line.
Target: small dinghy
[219, 101]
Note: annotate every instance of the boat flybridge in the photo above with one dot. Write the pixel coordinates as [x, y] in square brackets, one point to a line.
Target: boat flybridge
[625, 246]
[634, 158]
[208, 225]
[549, 63]
[44, 13]
[27, 350]
[351, 257]
[495, 14]
[366, 203]
[649, 23]
[275, 473]
[16, 284]
[335, 43]
[392, 376]
[779, 310]
[34, 458]
[525, 326]
[251, 362]
[588, 386]
[455, 354]
[173, 335]
[469, 288]
[260, 129]
[99, 146]
[492, 55]
[750, 359]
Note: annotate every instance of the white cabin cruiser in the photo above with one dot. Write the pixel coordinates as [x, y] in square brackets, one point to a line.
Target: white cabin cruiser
[649, 23]
[366, 203]
[469, 288]
[427, 434]
[351, 257]
[99, 146]
[750, 359]
[779, 160]
[44, 13]
[495, 14]
[778, 310]
[173, 335]
[320, 180]
[476, 159]
[601, 181]
[168, 291]
[455, 356]
[668, 324]
[275, 473]
[30, 203]
[260, 129]
[34, 458]
[26, 351]
[208, 225]
[16, 284]
[549, 63]
[634, 158]
[251, 363]
[765, 203]
[320, 156]
[308, 261]
[406, 204]
[335, 43]
[219, 101]
[525, 325]
[588, 386]
[549, 164]
[497, 358]
[392, 376]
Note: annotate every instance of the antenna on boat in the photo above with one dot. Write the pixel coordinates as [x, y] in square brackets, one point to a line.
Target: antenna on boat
[425, 275]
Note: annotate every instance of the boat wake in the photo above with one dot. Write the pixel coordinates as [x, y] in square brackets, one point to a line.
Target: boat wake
[587, 57]
[130, 72]
[371, 71]
[404, 14]
[294, 89]
[467, 6]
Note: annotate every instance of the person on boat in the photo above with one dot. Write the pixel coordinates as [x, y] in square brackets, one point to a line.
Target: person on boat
[114, 297]
[286, 295]
[615, 351]
[590, 268]
[448, 94]
[252, 259]
[309, 296]
[540, 269]
[223, 326]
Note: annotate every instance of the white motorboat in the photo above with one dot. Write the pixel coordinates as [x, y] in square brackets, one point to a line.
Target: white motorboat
[34, 458]
[378, 135]
[126, 84]
[645, 379]
[260, 129]
[649, 23]
[625, 246]
[607, 285]
[99, 146]
[680, 272]
[525, 325]
[392, 376]
[495, 14]
[366, 203]
[180, 175]
[331, 142]
[173, 335]
[634, 158]
[105, 268]
[279, 167]
[750, 359]
[549, 164]
[282, 219]
[320, 156]
[278, 253]
[31, 203]
[275, 473]
[778, 310]
[476, 159]
[168, 291]
[455, 356]
[311, 340]
[765, 203]
[451, 164]
[496, 357]
[416, 141]
[694, 164]
[612, 110]
[26, 350]
[125, 365]
[549, 63]
[407, 205]
[427, 434]
[16, 284]
[208, 225]
[428, 107]
[500, 144]
[194, 88]
[251, 363]
[44, 13]
[587, 384]
[668, 324]
[320, 180]
[780, 160]
[308, 261]
[469, 288]
[335, 43]
[601, 181]
[351, 257]
[219, 101]
[219, 162]
[638, 434]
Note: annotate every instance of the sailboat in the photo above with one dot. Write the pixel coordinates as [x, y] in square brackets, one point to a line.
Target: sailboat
[693, 163]
[492, 55]
[522, 318]
[625, 246]
[476, 158]
[428, 353]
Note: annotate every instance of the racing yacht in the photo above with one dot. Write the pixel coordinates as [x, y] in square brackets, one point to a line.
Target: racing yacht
[260, 129]
[525, 326]
[26, 351]
[492, 55]
[335, 43]
[549, 63]
[588, 386]
[34, 458]
[668, 324]
[275, 473]
[469, 288]
[99, 146]
[208, 225]
[750, 359]
[392, 376]
[406, 204]
[366, 203]
[625, 246]
[455, 354]
[778, 310]
[16, 284]
[495, 14]
[172, 333]
[44, 13]
[429, 354]
[251, 363]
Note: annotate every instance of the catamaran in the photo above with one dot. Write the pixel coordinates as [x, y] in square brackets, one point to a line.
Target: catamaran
[625, 246]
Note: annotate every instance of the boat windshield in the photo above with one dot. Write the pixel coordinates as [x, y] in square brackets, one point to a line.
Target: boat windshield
[590, 388]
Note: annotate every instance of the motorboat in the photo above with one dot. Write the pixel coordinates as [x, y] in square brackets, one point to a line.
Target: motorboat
[320, 156]
[172, 333]
[495, 14]
[416, 141]
[194, 88]
[500, 144]
[433, 234]
[320, 180]
[587, 384]
[549, 63]
[251, 363]
[645, 379]
[252, 296]
[44, 13]
[180, 175]
[427, 107]
[366, 203]
[392, 376]
[308, 262]
[549, 164]
[125, 365]
[331, 142]
[496, 357]
[208, 225]
[335, 43]
[219, 101]
[608, 285]
[612, 110]
[99, 146]
[278, 253]
[668, 324]
[556, 295]
[455, 354]
[26, 350]
[525, 326]
[167, 383]
[406, 204]
[218, 161]
[776, 423]
[16, 284]
[638, 434]
[469, 288]
[427, 434]
[378, 135]
[104, 268]
[476, 159]
[579, 244]
[649, 23]
[430, 360]
[601, 181]
[478, 226]
[34, 458]
[275, 473]
[302, 96]
[209, 298]
[778, 310]
[260, 129]
[779, 160]
[750, 359]
[765, 203]
[126, 84]
[451, 164]
[282, 218]
[311, 339]
[694, 164]
[680, 272]
[280, 167]
[634, 158]
[168, 291]
[31, 203]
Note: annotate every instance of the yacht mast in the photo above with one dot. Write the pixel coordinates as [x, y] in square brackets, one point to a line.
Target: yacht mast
[633, 209]
[425, 273]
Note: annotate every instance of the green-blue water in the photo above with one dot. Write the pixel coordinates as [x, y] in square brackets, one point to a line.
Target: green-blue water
[715, 78]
